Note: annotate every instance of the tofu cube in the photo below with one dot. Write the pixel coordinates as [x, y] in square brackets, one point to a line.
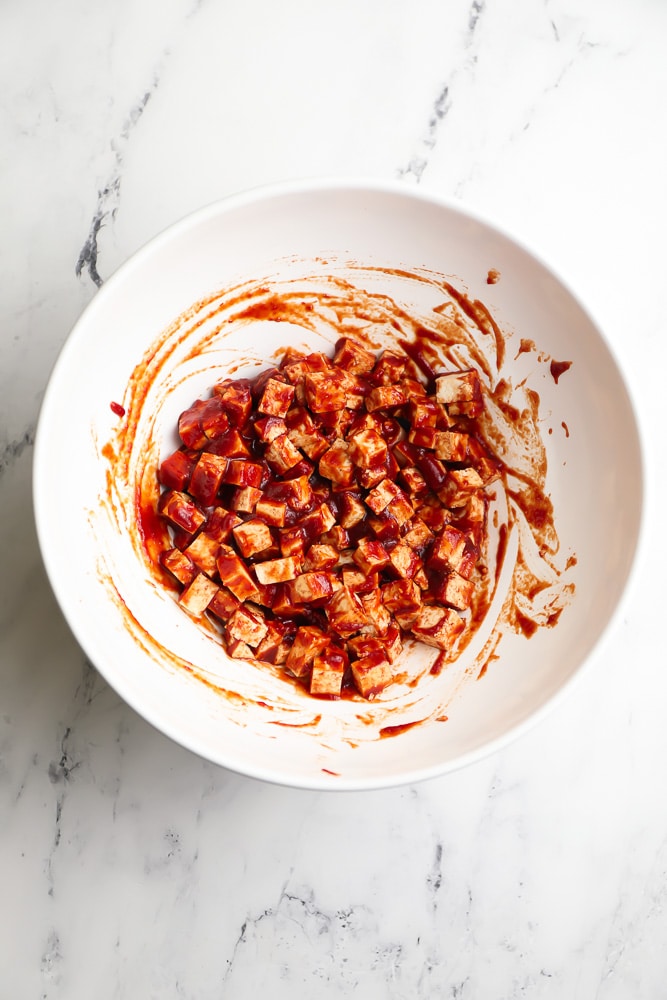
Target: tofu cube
[307, 588]
[274, 647]
[309, 642]
[370, 555]
[274, 571]
[375, 611]
[336, 465]
[242, 473]
[276, 398]
[207, 477]
[460, 392]
[352, 509]
[235, 575]
[404, 561]
[252, 537]
[436, 626]
[181, 511]
[400, 509]
[371, 673]
[236, 400]
[448, 549]
[292, 542]
[326, 391]
[403, 599]
[451, 446]
[389, 368]
[367, 448]
[413, 480]
[419, 536]
[196, 597]
[239, 650]
[244, 499]
[385, 397]
[455, 591]
[269, 428]
[224, 604]
[326, 679]
[179, 565]
[320, 557]
[176, 469]
[423, 437]
[203, 551]
[271, 511]
[382, 495]
[318, 522]
[298, 492]
[282, 455]
[345, 613]
[353, 357]
[247, 626]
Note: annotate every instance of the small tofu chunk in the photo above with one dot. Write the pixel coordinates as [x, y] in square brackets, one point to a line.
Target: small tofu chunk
[455, 591]
[389, 368]
[460, 392]
[247, 626]
[179, 565]
[235, 576]
[276, 398]
[436, 626]
[320, 556]
[196, 597]
[181, 511]
[271, 511]
[376, 611]
[385, 397]
[353, 357]
[207, 477]
[203, 551]
[371, 673]
[326, 391]
[448, 549]
[282, 455]
[345, 613]
[242, 473]
[326, 679]
[419, 535]
[367, 448]
[310, 587]
[224, 604]
[403, 599]
[336, 464]
[352, 509]
[277, 570]
[244, 499]
[252, 537]
[451, 446]
[370, 555]
[404, 561]
[268, 428]
[382, 495]
[309, 642]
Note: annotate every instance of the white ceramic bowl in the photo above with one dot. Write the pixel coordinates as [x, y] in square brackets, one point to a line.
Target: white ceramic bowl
[131, 347]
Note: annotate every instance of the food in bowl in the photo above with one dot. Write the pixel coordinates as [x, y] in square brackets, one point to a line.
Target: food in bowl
[328, 507]
[220, 296]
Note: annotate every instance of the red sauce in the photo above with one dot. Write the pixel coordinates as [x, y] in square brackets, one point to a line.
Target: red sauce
[557, 368]
[396, 730]
[493, 276]
[117, 409]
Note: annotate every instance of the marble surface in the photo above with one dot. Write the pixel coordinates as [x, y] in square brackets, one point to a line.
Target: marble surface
[130, 868]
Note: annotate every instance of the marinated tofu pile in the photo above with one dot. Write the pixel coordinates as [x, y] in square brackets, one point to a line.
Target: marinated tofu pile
[328, 508]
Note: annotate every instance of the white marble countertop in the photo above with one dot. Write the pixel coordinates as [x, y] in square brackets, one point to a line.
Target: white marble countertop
[130, 868]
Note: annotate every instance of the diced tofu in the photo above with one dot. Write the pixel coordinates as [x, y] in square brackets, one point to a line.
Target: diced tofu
[252, 537]
[320, 556]
[400, 509]
[382, 495]
[376, 611]
[336, 464]
[181, 511]
[235, 576]
[352, 510]
[353, 357]
[179, 565]
[326, 679]
[292, 542]
[389, 368]
[318, 522]
[345, 613]
[273, 647]
[230, 445]
[385, 397]
[203, 551]
[451, 446]
[277, 570]
[271, 511]
[413, 480]
[224, 604]
[244, 499]
[276, 398]
[439, 627]
[282, 455]
[239, 650]
[423, 437]
[189, 426]
[310, 587]
[298, 492]
[404, 561]
[455, 591]
[459, 484]
[448, 549]
[403, 599]
[326, 391]
[370, 555]
[247, 626]
[242, 473]
[367, 448]
[371, 674]
[175, 471]
[236, 400]
[460, 392]
[419, 535]
[197, 595]
[357, 581]
[309, 642]
[268, 428]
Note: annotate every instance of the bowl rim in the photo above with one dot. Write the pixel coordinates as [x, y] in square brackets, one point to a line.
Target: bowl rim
[324, 185]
